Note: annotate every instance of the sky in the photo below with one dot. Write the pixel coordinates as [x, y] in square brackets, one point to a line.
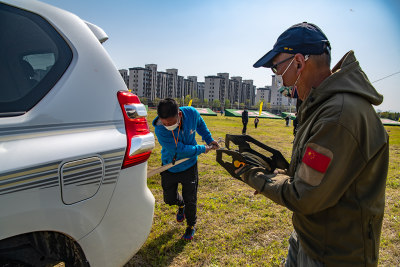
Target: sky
[206, 37]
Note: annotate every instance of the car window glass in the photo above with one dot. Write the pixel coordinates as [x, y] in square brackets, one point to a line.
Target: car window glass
[33, 58]
[41, 63]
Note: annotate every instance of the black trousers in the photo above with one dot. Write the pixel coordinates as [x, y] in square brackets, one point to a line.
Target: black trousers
[189, 180]
[244, 127]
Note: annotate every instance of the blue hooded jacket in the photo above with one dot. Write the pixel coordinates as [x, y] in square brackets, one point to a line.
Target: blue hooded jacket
[187, 146]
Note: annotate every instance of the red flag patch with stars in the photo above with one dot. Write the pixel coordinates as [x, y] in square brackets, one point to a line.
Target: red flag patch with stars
[315, 160]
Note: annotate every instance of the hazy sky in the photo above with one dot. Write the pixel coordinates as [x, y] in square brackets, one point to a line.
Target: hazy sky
[206, 37]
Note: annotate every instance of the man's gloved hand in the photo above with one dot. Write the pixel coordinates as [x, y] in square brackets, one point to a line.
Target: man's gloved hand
[257, 178]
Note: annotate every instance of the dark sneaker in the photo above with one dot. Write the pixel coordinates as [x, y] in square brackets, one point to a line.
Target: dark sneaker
[189, 233]
[180, 215]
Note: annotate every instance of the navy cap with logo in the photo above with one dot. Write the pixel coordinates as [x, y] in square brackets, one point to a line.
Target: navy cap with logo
[304, 38]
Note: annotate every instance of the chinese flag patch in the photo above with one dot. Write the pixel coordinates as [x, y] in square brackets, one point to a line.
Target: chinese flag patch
[315, 160]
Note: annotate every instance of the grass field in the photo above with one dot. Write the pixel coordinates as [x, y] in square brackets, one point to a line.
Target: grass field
[236, 227]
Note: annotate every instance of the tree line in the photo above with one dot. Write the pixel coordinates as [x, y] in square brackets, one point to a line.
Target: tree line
[389, 115]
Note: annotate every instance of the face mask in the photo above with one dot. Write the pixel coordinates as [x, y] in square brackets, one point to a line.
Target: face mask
[288, 91]
[172, 127]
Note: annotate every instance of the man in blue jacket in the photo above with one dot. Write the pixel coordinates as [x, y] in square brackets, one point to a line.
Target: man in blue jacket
[176, 129]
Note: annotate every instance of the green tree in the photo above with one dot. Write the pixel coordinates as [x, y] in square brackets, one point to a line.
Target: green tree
[179, 101]
[216, 103]
[389, 115]
[187, 99]
[144, 100]
[196, 102]
[156, 101]
[205, 102]
[227, 103]
[247, 103]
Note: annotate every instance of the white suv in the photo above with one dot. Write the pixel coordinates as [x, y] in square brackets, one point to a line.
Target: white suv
[74, 144]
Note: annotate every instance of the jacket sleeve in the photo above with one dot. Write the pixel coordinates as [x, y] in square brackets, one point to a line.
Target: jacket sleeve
[311, 191]
[183, 151]
[203, 130]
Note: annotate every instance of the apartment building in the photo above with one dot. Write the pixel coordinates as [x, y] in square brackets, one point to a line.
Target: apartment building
[277, 99]
[248, 93]
[164, 86]
[140, 81]
[180, 87]
[125, 76]
[235, 87]
[213, 86]
[153, 80]
[223, 93]
[195, 87]
[200, 90]
[263, 95]
[188, 88]
[149, 83]
[174, 73]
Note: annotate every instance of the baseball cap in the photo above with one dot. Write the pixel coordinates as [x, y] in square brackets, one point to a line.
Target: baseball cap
[304, 38]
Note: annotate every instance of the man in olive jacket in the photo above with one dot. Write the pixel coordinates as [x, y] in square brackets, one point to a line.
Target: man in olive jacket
[335, 184]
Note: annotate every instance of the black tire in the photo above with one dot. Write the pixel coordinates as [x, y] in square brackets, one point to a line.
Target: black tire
[41, 249]
[59, 248]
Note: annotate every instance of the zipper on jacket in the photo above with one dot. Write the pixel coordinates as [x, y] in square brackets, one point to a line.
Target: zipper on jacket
[372, 236]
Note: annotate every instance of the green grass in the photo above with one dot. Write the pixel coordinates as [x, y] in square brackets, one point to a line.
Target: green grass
[236, 227]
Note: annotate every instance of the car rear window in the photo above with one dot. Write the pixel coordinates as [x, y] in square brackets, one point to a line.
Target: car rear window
[33, 57]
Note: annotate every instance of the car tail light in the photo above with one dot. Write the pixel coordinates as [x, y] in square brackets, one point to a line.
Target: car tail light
[140, 140]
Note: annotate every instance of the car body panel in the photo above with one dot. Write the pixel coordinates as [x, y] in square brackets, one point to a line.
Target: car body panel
[77, 121]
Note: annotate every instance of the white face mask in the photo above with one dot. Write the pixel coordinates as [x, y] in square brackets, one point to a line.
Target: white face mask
[172, 127]
[279, 78]
[287, 90]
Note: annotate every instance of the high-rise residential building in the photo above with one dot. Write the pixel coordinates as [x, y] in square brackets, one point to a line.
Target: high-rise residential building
[248, 93]
[174, 73]
[125, 76]
[200, 90]
[195, 88]
[213, 86]
[263, 95]
[140, 82]
[153, 80]
[277, 99]
[180, 87]
[188, 88]
[223, 93]
[235, 87]
[149, 83]
[164, 87]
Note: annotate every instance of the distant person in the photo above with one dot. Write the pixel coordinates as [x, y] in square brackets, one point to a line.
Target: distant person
[287, 119]
[256, 121]
[295, 123]
[245, 120]
[222, 112]
[176, 129]
[335, 184]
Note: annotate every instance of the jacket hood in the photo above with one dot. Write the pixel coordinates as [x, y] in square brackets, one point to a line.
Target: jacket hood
[347, 77]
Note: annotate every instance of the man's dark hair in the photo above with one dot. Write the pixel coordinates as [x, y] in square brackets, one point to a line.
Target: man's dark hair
[167, 108]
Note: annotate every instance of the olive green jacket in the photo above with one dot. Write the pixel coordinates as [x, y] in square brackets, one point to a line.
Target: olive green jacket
[335, 184]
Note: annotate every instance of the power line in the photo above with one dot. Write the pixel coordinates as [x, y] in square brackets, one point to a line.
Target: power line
[386, 77]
